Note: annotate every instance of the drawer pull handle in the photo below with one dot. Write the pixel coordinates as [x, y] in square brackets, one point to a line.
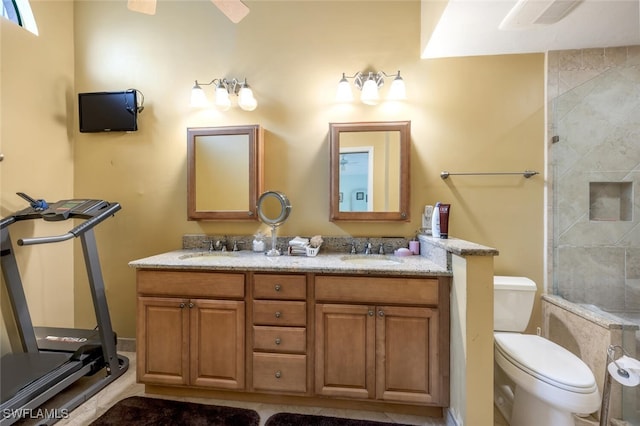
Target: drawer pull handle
[278, 374]
[278, 341]
[278, 287]
[278, 314]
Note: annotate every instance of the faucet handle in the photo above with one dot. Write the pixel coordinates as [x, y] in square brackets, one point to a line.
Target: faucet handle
[354, 249]
[367, 249]
[235, 245]
[381, 249]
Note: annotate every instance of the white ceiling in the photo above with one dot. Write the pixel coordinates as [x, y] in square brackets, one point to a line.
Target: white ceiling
[470, 28]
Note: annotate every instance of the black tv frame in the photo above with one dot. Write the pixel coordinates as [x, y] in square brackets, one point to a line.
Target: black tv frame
[108, 111]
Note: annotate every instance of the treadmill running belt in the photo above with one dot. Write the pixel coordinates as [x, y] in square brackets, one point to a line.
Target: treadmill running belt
[20, 369]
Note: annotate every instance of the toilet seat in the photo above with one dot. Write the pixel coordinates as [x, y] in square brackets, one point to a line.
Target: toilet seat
[546, 361]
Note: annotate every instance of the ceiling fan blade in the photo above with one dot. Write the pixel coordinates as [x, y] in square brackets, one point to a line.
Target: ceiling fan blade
[235, 10]
[142, 6]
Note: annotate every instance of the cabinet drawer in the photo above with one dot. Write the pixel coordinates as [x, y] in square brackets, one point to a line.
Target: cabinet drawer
[280, 339]
[286, 287]
[191, 284]
[280, 372]
[413, 291]
[275, 312]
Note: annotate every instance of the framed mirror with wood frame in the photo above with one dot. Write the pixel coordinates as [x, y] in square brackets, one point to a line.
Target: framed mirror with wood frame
[369, 176]
[224, 172]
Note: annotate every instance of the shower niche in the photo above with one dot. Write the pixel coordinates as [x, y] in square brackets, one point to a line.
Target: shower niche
[610, 201]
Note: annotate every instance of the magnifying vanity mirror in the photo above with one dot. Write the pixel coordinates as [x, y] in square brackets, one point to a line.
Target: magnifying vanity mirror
[370, 171]
[224, 172]
[273, 209]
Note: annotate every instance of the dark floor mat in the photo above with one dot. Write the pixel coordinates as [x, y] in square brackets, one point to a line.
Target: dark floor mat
[292, 419]
[143, 411]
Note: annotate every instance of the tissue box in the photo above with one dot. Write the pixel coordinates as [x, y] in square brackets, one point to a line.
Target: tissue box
[312, 251]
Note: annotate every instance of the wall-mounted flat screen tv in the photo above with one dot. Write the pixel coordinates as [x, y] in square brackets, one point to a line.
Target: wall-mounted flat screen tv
[108, 111]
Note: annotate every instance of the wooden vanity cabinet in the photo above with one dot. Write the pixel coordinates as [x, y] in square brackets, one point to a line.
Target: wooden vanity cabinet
[191, 329]
[382, 338]
[333, 339]
[279, 327]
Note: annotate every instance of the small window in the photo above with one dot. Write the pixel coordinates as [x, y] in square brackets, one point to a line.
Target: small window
[19, 11]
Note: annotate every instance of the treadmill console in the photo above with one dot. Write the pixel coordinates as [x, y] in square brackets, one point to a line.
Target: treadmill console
[60, 210]
[64, 209]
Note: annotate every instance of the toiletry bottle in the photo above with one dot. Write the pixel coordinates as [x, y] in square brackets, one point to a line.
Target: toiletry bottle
[427, 217]
[435, 221]
[414, 246]
[443, 212]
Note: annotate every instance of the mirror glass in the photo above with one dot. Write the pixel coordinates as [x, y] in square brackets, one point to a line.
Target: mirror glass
[370, 171]
[224, 172]
[273, 209]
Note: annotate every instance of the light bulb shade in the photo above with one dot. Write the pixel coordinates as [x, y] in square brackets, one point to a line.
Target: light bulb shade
[246, 100]
[397, 91]
[198, 98]
[223, 102]
[370, 95]
[344, 93]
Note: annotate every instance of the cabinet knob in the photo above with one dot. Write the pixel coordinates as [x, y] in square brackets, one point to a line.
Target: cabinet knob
[182, 305]
[370, 312]
[278, 287]
[380, 313]
[278, 340]
[278, 314]
[191, 305]
[278, 374]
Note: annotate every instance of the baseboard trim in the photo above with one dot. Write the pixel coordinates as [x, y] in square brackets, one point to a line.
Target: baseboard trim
[126, 344]
[451, 420]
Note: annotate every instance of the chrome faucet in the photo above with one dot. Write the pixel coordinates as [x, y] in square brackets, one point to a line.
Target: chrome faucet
[354, 250]
[367, 249]
[221, 245]
[381, 249]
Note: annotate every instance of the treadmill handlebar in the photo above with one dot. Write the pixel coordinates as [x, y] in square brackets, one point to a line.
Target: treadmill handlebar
[6, 221]
[45, 240]
[90, 223]
[75, 232]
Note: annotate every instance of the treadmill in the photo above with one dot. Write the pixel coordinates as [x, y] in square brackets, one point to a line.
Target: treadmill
[52, 358]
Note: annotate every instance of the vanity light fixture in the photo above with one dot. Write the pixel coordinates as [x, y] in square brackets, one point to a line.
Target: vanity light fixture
[369, 84]
[224, 89]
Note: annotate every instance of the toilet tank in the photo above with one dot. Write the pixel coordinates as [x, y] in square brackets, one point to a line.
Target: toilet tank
[513, 299]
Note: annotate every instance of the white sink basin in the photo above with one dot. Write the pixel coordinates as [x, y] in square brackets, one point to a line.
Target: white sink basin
[371, 260]
[207, 256]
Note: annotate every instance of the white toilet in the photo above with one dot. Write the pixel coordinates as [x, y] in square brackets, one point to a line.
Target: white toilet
[537, 382]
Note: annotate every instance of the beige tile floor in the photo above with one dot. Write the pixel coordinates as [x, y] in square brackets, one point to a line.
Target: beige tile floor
[126, 386]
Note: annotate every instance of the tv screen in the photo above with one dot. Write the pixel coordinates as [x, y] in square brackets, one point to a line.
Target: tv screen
[108, 111]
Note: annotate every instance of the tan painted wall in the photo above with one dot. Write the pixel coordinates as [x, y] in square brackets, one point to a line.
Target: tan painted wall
[468, 114]
[36, 138]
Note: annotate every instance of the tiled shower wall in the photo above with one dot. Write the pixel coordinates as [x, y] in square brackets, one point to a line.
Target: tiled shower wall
[594, 167]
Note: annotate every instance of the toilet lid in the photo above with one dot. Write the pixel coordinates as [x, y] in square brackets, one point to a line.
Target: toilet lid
[546, 361]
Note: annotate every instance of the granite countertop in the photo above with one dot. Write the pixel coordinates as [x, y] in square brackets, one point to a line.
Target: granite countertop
[322, 263]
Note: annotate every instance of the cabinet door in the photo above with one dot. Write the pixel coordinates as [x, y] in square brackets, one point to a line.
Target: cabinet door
[217, 343]
[345, 345]
[407, 354]
[163, 340]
